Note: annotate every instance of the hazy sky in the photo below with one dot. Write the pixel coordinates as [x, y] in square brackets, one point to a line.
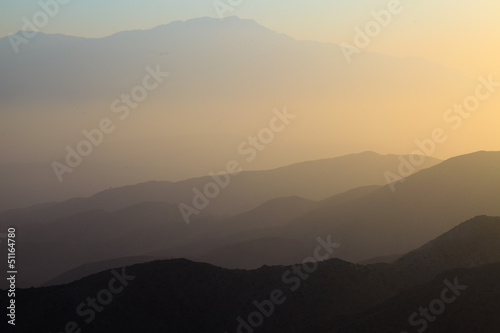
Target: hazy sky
[460, 34]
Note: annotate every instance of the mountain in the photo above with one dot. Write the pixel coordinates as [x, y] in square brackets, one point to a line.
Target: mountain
[470, 244]
[112, 61]
[370, 222]
[235, 242]
[53, 248]
[151, 229]
[164, 235]
[332, 296]
[182, 296]
[384, 222]
[475, 309]
[239, 72]
[278, 212]
[427, 204]
[384, 259]
[313, 180]
[96, 267]
[257, 252]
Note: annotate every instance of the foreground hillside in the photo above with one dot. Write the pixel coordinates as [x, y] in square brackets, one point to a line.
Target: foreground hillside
[334, 296]
[459, 301]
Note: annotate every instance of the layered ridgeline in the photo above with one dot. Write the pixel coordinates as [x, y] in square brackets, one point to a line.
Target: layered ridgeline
[146, 217]
[313, 180]
[211, 236]
[369, 222]
[385, 222]
[226, 76]
[332, 296]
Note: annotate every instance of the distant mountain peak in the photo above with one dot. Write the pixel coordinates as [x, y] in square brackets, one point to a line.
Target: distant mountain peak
[206, 21]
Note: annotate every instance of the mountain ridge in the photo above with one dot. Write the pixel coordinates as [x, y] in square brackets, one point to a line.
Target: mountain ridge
[347, 293]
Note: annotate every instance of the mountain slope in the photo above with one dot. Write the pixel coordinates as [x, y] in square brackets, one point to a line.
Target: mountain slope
[473, 243]
[337, 296]
[53, 248]
[426, 205]
[384, 222]
[378, 223]
[182, 296]
[154, 229]
[475, 309]
[314, 180]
